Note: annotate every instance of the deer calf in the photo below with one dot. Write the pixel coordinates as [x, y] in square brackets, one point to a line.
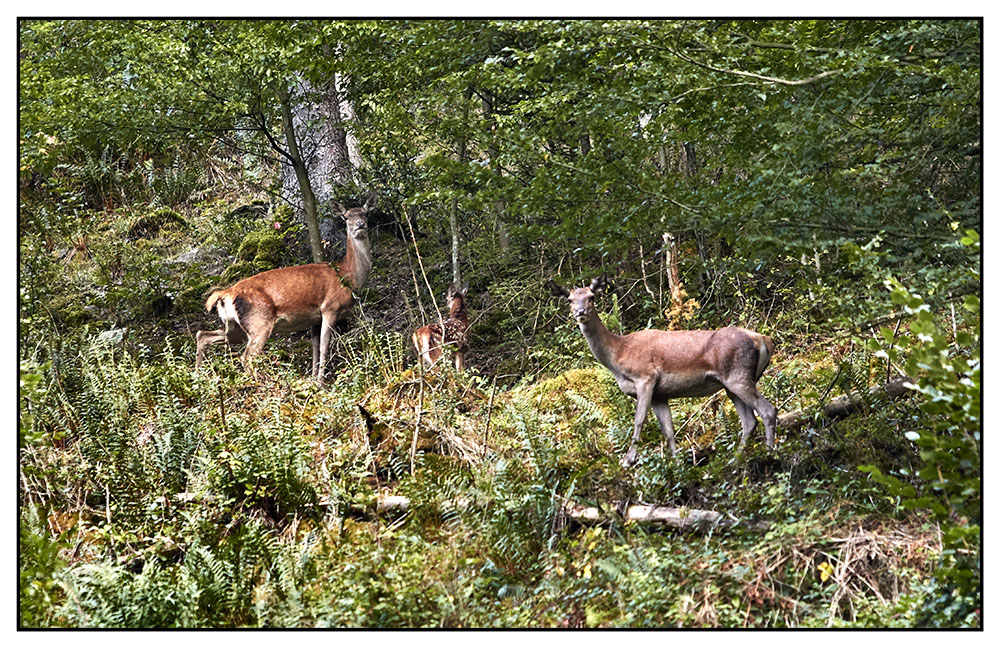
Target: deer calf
[429, 340]
[284, 300]
[654, 366]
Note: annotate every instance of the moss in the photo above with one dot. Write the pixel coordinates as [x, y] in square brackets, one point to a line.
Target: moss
[283, 214]
[260, 250]
[192, 299]
[264, 248]
[596, 385]
[71, 309]
[150, 224]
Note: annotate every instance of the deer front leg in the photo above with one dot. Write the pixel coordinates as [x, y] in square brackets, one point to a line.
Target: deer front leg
[325, 333]
[643, 399]
[747, 419]
[753, 401]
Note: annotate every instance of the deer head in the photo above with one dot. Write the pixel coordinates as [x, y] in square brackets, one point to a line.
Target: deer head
[356, 218]
[581, 300]
[456, 298]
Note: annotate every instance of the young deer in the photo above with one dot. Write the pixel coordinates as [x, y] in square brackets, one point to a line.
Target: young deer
[429, 339]
[654, 366]
[284, 300]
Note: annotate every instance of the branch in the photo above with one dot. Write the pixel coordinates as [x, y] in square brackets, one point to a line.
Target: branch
[756, 76]
[843, 406]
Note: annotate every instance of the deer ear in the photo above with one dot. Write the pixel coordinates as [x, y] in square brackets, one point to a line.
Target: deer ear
[597, 284]
[338, 207]
[465, 289]
[370, 204]
[557, 290]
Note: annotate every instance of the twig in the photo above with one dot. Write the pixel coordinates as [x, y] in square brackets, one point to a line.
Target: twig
[420, 414]
[420, 262]
[489, 411]
[222, 411]
[888, 364]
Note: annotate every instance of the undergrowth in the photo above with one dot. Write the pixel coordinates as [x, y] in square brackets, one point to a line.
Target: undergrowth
[156, 495]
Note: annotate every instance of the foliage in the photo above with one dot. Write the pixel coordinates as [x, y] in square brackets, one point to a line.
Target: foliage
[950, 445]
[39, 562]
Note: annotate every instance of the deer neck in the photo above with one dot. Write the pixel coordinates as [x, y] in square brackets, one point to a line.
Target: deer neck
[602, 341]
[357, 263]
[460, 314]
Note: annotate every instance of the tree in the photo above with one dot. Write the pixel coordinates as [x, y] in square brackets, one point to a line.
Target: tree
[135, 86]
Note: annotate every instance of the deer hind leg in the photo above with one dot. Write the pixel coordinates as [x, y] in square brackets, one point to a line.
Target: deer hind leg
[314, 332]
[258, 325]
[459, 360]
[204, 338]
[661, 408]
[643, 400]
[751, 398]
[747, 418]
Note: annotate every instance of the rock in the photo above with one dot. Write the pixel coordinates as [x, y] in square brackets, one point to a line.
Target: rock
[211, 261]
[196, 255]
[110, 337]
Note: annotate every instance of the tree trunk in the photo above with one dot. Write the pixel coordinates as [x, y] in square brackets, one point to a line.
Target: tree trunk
[327, 149]
[494, 153]
[302, 176]
[456, 270]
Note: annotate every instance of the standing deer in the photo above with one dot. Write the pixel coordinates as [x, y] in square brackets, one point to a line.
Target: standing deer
[430, 339]
[654, 366]
[284, 300]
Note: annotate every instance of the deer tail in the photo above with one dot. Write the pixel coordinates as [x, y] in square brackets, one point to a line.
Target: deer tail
[212, 299]
[764, 354]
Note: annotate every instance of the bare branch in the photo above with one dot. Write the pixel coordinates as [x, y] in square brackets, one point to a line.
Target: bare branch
[756, 76]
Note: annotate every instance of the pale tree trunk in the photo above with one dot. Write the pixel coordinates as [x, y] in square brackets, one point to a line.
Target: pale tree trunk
[494, 153]
[301, 176]
[453, 216]
[672, 267]
[327, 149]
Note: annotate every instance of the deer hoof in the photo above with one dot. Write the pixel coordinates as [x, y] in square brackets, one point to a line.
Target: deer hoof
[630, 458]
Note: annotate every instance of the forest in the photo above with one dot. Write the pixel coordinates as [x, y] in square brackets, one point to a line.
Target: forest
[816, 183]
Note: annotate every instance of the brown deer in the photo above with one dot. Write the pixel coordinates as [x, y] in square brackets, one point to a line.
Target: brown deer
[654, 366]
[284, 300]
[430, 339]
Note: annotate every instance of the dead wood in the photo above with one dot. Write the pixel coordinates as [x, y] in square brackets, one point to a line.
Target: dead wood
[843, 406]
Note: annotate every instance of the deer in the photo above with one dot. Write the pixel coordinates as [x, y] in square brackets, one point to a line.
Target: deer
[429, 340]
[653, 366]
[284, 300]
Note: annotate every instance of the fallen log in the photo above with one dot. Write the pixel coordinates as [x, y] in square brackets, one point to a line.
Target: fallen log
[393, 504]
[678, 518]
[848, 404]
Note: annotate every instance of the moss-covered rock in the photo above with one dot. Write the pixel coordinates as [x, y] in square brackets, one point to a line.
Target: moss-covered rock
[263, 247]
[150, 224]
[260, 250]
[71, 309]
[283, 215]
